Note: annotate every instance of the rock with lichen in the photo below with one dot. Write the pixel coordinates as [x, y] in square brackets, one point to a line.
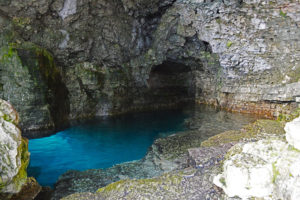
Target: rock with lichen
[14, 155]
[267, 169]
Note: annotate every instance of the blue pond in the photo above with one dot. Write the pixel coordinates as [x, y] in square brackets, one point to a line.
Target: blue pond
[102, 143]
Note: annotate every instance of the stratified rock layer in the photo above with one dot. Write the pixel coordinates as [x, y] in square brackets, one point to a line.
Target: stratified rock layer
[14, 155]
[114, 57]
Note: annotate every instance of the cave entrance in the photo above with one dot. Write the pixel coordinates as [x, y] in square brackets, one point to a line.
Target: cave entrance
[171, 83]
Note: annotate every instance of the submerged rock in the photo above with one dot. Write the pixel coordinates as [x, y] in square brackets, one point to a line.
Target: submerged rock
[267, 169]
[193, 177]
[14, 155]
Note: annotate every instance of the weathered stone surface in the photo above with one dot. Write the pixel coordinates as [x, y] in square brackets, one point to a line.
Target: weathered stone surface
[29, 190]
[31, 81]
[14, 156]
[264, 169]
[292, 130]
[267, 169]
[239, 58]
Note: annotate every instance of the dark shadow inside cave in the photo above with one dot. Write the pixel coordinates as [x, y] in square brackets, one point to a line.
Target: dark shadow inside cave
[171, 83]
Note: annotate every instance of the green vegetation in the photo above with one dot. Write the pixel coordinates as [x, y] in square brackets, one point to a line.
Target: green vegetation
[291, 148]
[222, 180]
[275, 172]
[229, 44]
[112, 186]
[282, 14]
[258, 129]
[8, 53]
[288, 117]
[21, 21]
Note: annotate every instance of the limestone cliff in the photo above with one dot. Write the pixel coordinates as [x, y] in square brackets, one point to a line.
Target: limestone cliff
[116, 56]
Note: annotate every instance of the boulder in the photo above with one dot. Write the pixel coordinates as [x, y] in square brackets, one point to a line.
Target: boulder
[14, 155]
[292, 130]
[266, 169]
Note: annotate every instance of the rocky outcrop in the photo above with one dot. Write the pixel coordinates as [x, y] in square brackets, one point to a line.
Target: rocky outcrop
[112, 56]
[31, 81]
[194, 178]
[14, 155]
[267, 169]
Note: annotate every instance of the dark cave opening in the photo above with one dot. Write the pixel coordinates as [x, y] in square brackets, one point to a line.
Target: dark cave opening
[171, 83]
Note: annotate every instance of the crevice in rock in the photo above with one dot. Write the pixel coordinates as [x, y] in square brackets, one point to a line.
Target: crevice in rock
[48, 83]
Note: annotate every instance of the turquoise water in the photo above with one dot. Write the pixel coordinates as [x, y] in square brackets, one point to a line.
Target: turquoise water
[102, 143]
[99, 143]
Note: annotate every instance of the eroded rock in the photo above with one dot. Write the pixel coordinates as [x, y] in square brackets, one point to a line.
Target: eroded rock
[14, 155]
[267, 169]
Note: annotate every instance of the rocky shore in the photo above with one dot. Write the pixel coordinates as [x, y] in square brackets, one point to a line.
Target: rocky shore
[191, 171]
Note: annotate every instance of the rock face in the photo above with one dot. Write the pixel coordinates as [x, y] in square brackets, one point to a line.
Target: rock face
[30, 80]
[113, 56]
[14, 155]
[267, 169]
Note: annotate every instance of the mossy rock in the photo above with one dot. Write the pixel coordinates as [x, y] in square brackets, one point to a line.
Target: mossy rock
[257, 130]
[166, 185]
[14, 153]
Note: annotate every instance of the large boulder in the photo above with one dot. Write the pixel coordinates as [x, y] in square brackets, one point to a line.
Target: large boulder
[293, 132]
[14, 155]
[267, 169]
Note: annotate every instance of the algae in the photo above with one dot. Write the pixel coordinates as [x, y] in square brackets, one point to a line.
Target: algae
[256, 130]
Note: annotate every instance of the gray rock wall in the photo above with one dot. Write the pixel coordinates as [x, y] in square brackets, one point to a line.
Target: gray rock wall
[243, 55]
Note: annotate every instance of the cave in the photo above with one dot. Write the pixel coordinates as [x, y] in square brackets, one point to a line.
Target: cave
[171, 83]
[137, 99]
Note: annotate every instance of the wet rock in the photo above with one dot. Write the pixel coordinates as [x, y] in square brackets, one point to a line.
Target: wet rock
[31, 81]
[207, 156]
[45, 194]
[29, 191]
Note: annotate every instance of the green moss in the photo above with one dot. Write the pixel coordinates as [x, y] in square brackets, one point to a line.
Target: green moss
[112, 186]
[258, 129]
[229, 44]
[150, 185]
[282, 14]
[21, 177]
[291, 148]
[7, 118]
[288, 117]
[8, 53]
[21, 21]
[222, 180]
[275, 172]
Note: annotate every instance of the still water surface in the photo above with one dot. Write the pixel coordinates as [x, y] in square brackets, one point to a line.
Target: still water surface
[102, 143]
